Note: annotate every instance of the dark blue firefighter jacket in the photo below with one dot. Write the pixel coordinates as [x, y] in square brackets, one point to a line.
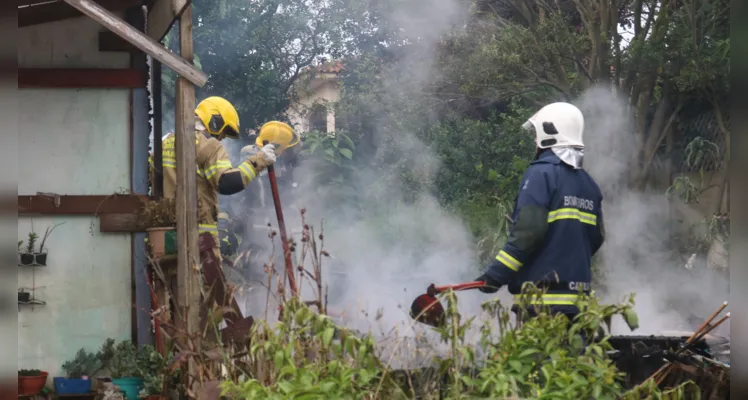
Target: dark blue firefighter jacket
[558, 227]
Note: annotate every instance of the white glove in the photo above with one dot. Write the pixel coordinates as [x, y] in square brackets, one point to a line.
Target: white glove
[249, 150]
[268, 153]
[261, 157]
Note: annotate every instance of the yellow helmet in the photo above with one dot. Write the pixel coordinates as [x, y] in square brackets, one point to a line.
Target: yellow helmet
[277, 133]
[219, 117]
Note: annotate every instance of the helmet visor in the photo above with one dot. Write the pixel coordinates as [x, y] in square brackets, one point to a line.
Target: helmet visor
[230, 132]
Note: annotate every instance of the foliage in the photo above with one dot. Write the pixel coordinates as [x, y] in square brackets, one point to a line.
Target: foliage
[305, 354]
[483, 158]
[120, 359]
[83, 364]
[700, 153]
[153, 369]
[255, 52]
[336, 150]
[31, 242]
[124, 359]
[47, 232]
[460, 127]
[489, 220]
[301, 356]
[335, 147]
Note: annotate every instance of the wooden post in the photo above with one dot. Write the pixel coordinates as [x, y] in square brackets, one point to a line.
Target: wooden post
[188, 256]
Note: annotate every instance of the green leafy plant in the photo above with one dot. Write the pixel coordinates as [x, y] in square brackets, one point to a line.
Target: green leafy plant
[151, 367]
[83, 364]
[335, 148]
[124, 359]
[20, 243]
[31, 243]
[699, 154]
[121, 359]
[29, 372]
[305, 354]
[47, 232]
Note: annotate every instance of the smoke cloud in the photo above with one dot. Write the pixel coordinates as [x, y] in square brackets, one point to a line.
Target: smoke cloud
[374, 272]
[381, 262]
[637, 256]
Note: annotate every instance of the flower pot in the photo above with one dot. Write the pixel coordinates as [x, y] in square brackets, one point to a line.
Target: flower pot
[24, 297]
[72, 386]
[27, 258]
[157, 240]
[31, 385]
[130, 386]
[40, 259]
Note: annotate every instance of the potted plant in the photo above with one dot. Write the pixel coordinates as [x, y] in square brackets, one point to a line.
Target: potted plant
[24, 296]
[40, 257]
[158, 217]
[78, 373]
[31, 381]
[122, 362]
[153, 369]
[27, 255]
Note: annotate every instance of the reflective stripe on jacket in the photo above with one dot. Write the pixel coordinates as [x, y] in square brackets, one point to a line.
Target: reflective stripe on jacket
[212, 162]
[566, 206]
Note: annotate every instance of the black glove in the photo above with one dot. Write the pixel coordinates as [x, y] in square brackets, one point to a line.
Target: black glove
[492, 286]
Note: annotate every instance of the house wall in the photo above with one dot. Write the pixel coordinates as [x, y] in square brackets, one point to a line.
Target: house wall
[73, 141]
[324, 90]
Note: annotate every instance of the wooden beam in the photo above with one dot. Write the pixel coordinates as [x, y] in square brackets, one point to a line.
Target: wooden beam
[58, 11]
[162, 16]
[110, 42]
[52, 204]
[123, 78]
[188, 256]
[140, 40]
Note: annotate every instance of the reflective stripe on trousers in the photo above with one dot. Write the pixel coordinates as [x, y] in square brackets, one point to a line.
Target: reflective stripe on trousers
[547, 299]
[212, 228]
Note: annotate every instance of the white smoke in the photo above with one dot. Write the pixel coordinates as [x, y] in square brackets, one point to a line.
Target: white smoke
[375, 273]
[637, 256]
[381, 262]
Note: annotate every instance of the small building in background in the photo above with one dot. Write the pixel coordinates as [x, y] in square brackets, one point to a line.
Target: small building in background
[316, 92]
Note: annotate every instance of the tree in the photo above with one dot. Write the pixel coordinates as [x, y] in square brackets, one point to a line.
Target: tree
[254, 51]
[545, 51]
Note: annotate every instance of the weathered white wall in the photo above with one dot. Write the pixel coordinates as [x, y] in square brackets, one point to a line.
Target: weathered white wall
[71, 43]
[324, 90]
[73, 141]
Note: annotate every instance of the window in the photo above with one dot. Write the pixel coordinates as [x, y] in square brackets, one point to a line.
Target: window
[318, 119]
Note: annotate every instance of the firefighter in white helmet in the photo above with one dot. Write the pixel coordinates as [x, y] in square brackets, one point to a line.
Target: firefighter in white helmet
[558, 220]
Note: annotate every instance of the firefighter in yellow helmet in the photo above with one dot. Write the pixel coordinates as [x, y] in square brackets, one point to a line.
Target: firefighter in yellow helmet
[215, 119]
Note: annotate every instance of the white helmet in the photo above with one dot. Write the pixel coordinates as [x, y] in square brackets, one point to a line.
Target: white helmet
[556, 125]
